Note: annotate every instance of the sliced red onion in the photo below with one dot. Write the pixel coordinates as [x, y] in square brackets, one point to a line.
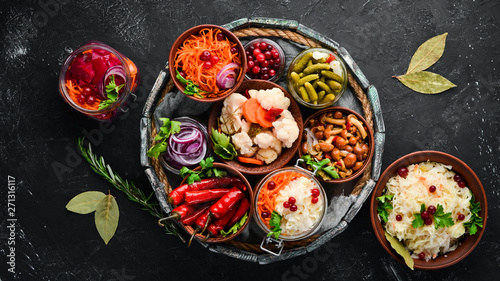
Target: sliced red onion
[228, 82]
[186, 148]
[224, 73]
[116, 70]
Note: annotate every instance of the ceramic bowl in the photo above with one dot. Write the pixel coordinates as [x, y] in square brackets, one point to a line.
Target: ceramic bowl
[195, 30]
[370, 139]
[467, 243]
[287, 153]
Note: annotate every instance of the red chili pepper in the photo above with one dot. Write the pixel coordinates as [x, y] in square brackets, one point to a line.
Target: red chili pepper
[247, 95]
[182, 211]
[242, 209]
[339, 163]
[201, 221]
[241, 186]
[191, 218]
[201, 196]
[348, 126]
[221, 207]
[218, 225]
[330, 58]
[272, 113]
[177, 195]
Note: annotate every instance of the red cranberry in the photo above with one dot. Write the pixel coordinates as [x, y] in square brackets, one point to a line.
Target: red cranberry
[90, 100]
[256, 45]
[461, 184]
[275, 54]
[269, 47]
[207, 65]
[250, 64]
[265, 76]
[457, 178]
[403, 172]
[424, 214]
[87, 91]
[255, 69]
[286, 204]
[428, 221]
[268, 55]
[220, 37]
[247, 53]
[205, 56]
[432, 188]
[214, 60]
[272, 72]
[264, 215]
[271, 185]
[81, 99]
[314, 200]
[431, 209]
[264, 70]
[182, 73]
[277, 60]
[399, 217]
[421, 256]
[292, 200]
[276, 65]
[256, 52]
[271, 61]
[461, 217]
[234, 50]
[251, 48]
[265, 63]
[315, 192]
[261, 57]
[263, 46]
[250, 58]
[293, 208]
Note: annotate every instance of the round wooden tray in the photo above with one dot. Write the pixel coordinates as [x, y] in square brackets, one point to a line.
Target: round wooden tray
[359, 85]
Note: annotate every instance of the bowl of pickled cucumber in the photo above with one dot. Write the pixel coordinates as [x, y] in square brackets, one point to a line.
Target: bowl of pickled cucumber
[317, 78]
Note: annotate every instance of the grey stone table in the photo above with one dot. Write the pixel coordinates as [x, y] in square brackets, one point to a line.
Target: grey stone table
[39, 130]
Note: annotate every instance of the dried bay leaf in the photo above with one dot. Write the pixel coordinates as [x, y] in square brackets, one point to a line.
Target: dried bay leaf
[400, 249]
[426, 82]
[106, 217]
[85, 202]
[427, 54]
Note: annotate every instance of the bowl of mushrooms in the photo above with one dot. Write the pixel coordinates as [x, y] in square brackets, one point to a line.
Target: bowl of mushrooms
[336, 144]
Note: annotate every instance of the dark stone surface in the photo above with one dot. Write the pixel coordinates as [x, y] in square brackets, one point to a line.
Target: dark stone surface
[38, 129]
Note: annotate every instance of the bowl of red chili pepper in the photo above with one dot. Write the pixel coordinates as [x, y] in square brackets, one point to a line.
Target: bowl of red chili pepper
[207, 63]
[214, 202]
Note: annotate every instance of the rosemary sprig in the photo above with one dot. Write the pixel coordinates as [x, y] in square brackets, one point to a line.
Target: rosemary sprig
[133, 193]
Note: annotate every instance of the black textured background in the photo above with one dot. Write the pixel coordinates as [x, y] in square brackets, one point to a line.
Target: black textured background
[38, 129]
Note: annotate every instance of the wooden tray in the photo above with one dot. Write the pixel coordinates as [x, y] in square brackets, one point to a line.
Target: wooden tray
[360, 88]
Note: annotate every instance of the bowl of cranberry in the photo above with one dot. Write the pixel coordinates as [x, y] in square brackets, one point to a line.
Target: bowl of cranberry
[265, 60]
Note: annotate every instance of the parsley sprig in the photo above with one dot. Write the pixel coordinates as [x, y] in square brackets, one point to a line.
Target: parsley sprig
[235, 227]
[321, 166]
[207, 170]
[222, 146]
[275, 224]
[384, 205]
[112, 91]
[441, 219]
[418, 221]
[191, 89]
[475, 220]
[168, 128]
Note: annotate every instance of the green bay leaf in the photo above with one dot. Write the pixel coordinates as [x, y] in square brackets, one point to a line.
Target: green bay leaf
[400, 249]
[85, 202]
[427, 54]
[106, 217]
[426, 82]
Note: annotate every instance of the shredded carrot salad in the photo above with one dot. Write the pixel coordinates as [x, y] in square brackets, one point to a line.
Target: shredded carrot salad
[188, 60]
[266, 201]
[74, 91]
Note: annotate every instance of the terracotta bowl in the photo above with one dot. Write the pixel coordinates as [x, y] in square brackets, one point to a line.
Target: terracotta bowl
[468, 243]
[371, 142]
[196, 30]
[287, 153]
[249, 196]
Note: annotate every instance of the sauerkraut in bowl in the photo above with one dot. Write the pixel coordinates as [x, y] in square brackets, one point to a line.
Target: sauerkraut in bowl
[290, 204]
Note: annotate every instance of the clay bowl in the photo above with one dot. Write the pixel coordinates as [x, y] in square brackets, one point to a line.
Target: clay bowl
[371, 142]
[249, 195]
[468, 243]
[287, 153]
[195, 30]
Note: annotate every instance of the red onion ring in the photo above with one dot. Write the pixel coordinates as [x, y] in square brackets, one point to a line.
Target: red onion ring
[114, 70]
[227, 70]
[186, 148]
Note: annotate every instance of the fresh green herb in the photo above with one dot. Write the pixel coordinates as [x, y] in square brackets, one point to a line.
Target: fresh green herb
[191, 89]
[329, 171]
[418, 221]
[222, 146]
[133, 193]
[112, 91]
[384, 205]
[168, 128]
[235, 227]
[207, 170]
[442, 219]
[275, 224]
[475, 220]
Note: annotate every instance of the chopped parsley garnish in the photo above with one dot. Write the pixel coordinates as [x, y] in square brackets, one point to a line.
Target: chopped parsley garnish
[168, 128]
[112, 91]
[222, 146]
[275, 224]
[384, 205]
[207, 171]
[475, 220]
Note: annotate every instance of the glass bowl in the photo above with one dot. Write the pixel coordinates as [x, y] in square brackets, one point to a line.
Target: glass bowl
[263, 184]
[294, 88]
[269, 62]
[203, 129]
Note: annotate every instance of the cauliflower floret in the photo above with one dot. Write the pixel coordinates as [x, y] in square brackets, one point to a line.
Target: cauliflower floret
[245, 126]
[336, 68]
[231, 113]
[266, 139]
[320, 55]
[286, 130]
[267, 155]
[285, 114]
[253, 93]
[251, 152]
[242, 142]
[271, 98]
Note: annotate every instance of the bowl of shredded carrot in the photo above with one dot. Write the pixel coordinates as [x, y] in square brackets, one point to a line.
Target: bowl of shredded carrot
[294, 198]
[207, 63]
